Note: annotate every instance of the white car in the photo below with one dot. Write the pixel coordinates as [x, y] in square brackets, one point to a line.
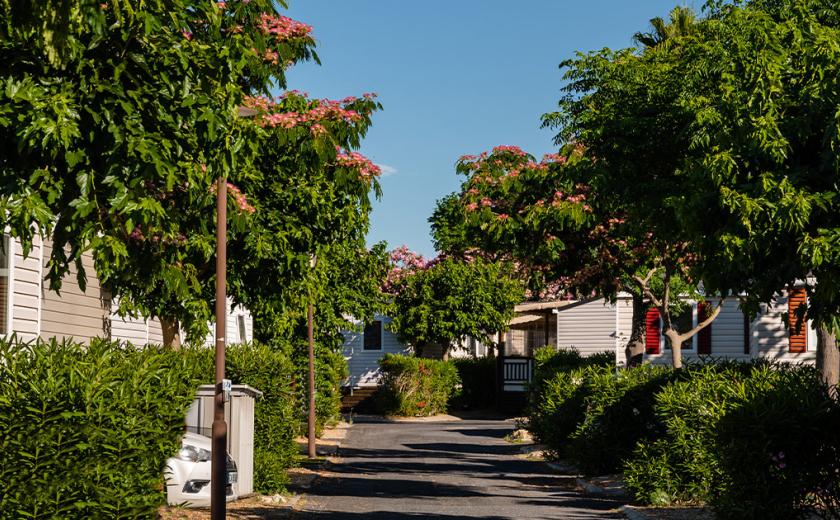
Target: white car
[188, 473]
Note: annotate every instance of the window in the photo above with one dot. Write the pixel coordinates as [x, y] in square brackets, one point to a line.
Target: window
[243, 333]
[373, 336]
[683, 321]
[5, 252]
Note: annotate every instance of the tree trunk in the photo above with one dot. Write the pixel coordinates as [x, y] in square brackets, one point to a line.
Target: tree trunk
[171, 333]
[676, 347]
[828, 358]
[634, 352]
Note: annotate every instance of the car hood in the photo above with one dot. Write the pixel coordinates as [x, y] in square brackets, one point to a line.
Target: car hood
[199, 441]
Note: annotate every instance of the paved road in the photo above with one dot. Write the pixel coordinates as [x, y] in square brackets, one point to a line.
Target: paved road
[443, 470]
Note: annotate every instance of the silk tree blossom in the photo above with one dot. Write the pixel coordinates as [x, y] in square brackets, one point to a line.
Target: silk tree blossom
[283, 27]
[356, 161]
[317, 112]
[239, 198]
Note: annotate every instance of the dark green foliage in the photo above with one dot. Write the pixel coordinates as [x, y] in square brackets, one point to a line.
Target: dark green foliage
[556, 393]
[478, 382]
[275, 419]
[413, 386]
[85, 431]
[619, 413]
[330, 370]
[451, 299]
[779, 449]
[679, 465]
[753, 440]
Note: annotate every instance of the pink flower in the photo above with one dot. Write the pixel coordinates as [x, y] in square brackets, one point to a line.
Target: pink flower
[187, 34]
[502, 216]
[486, 202]
[472, 206]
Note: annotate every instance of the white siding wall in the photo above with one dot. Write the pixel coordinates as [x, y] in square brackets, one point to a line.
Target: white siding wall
[132, 330]
[26, 291]
[364, 364]
[588, 326]
[770, 336]
[727, 337]
[232, 326]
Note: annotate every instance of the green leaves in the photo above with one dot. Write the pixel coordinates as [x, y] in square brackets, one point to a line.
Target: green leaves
[454, 299]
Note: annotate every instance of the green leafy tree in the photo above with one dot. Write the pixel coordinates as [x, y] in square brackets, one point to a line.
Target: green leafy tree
[760, 93]
[117, 118]
[447, 300]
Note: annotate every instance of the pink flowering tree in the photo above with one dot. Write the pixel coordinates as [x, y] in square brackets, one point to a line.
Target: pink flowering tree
[567, 239]
[118, 117]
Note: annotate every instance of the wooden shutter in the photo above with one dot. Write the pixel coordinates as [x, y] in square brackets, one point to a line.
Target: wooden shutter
[373, 336]
[746, 334]
[704, 337]
[652, 332]
[797, 327]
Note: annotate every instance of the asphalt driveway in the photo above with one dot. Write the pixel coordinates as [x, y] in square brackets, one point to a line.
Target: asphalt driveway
[449, 470]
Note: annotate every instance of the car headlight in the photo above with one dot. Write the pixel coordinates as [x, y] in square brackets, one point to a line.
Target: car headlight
[194, 454]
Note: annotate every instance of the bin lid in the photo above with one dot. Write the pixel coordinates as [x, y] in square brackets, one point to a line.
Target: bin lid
[235, 390]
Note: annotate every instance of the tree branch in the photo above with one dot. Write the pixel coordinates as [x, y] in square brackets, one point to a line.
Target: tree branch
[703, 324]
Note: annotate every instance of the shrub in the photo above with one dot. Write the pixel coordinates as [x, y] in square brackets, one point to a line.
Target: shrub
[618, 414]
[85, 431]
[413, 386]
[753, 440]
[276, 423]
[678, 465]
[478, 381]
[275, 413]
[330, 370]
[556, 395]
[779, 449]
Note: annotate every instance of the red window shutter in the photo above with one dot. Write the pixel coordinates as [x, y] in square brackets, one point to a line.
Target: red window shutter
[797, 328]
[652, 332]
[704, 337]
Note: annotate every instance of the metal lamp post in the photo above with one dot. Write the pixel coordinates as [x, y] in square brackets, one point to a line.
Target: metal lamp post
[218, 460]
[310, 319]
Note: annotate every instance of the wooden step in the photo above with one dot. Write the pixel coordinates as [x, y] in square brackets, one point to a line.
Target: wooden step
[358, 399]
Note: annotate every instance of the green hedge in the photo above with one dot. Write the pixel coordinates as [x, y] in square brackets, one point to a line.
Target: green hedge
[85, 431]
[276, 421]
[557, 394]
[753, 440]
[618, 414]
[478, 382]
[275, 414]
[413, 386]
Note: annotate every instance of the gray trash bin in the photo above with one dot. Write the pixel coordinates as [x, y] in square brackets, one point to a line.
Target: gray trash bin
[239, 414]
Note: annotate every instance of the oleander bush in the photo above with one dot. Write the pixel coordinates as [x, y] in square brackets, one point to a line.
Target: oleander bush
[478, 382]
[618, 414]
[413, 386]
[753, 440]
[779, 449]
[85, 430]
[557, 393]
[679, 464]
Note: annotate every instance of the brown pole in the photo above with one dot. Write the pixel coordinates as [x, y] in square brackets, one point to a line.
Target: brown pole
[218, 464]
[311, 333]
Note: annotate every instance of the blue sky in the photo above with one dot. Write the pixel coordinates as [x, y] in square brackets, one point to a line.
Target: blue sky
[455, 77]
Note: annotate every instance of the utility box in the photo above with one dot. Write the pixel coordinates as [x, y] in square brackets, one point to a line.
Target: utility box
[239, 415]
